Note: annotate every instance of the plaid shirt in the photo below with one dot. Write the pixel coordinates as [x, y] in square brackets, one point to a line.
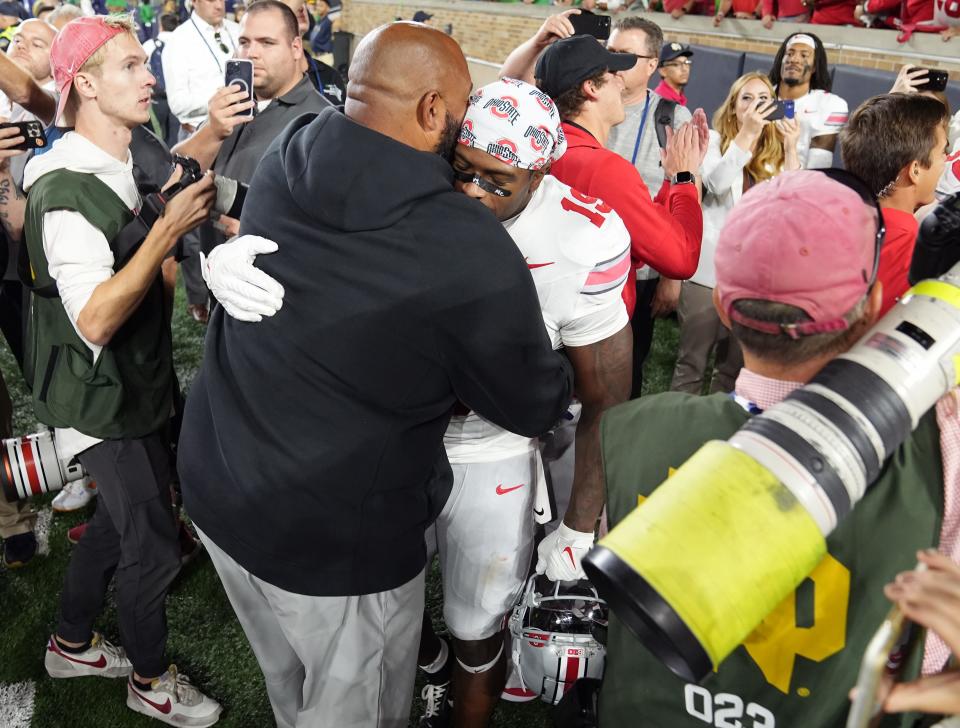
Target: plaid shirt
[766, 392]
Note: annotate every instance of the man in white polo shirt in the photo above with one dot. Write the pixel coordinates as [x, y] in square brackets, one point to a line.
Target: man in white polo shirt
[194, 60]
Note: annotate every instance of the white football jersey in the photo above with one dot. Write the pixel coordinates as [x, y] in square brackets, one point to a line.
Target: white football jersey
[819, 113]
[578, 252]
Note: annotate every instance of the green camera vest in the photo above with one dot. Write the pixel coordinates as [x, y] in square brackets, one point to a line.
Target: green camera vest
[796, 669]
[128, 391]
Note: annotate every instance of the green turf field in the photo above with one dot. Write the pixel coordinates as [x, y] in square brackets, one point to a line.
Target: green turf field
[205, 640]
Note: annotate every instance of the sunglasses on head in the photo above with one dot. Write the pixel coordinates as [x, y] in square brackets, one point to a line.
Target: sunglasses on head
[848, 179]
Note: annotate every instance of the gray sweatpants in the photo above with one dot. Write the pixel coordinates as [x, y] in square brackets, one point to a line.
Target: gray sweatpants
[343, 662]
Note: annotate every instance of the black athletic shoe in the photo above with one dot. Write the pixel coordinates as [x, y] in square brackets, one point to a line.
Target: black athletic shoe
[438, 708]
[19, 549]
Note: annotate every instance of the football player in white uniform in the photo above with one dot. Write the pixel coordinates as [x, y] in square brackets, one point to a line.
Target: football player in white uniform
[578, 252]
[800, 74]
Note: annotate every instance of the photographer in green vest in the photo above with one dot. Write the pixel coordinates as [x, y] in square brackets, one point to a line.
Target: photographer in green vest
[100, 366]
[796, 283]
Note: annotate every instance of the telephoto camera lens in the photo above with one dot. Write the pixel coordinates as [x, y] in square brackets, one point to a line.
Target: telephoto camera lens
[750, 516]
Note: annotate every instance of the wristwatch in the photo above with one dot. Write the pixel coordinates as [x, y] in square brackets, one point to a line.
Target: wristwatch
[683, 178]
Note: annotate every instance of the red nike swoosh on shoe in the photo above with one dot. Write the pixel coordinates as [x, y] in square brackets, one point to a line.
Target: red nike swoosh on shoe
[99, 663]
[165, 708]
[569, 553]
[531, 266]
[503, 491]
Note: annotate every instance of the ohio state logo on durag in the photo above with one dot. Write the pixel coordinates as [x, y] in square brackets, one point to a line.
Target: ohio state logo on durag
[504, 107]
[546, 103]
[467, 136]
[539, 137]
[504, 150]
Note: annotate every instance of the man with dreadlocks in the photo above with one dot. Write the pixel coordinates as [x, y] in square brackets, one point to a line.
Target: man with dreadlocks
[800, 74]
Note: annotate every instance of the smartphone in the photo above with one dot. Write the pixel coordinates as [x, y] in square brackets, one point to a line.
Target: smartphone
[936, 80]
[240, 73]
[785, 110]
[870, 681]
[586, 23]
[882, 661]
[32, 132]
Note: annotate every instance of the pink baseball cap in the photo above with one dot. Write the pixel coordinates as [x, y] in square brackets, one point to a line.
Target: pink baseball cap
[802, 239]
[75, 43]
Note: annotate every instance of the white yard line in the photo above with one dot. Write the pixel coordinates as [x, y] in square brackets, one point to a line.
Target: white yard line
[16, 704]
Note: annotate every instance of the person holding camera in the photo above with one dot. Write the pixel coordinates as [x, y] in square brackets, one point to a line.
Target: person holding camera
[897, 144]
[100, 364]
[796, 294]
[745, 148]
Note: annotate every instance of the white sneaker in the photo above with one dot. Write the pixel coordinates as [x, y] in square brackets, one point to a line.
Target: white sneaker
[172, 699]
[74, 496]
[101, 659]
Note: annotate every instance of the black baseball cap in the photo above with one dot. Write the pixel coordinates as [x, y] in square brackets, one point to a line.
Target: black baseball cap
[571, 61]
[13, 10]
[670, 51]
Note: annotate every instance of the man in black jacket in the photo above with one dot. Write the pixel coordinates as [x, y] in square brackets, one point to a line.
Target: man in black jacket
[311, 457]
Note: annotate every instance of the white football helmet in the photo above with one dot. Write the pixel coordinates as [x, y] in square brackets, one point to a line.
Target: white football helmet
[558, 631]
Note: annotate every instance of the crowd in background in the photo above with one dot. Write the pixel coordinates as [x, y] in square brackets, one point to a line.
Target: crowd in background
[662, 181]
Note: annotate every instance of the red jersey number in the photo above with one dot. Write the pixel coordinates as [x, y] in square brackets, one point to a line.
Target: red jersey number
[950, 8]
[597, 215]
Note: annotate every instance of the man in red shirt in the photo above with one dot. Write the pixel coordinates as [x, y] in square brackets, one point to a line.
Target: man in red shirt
[897, 144]
[834, 12]
[786, 11]
[580, 75]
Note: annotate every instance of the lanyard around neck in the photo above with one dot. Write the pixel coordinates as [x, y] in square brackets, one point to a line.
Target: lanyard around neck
[216, 58]
[643, 124]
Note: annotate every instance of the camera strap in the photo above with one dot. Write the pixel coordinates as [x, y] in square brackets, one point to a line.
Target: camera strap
[132, 235]
[26, 276]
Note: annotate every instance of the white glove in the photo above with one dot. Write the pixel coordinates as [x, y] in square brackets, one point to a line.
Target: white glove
[559, 554]
[245, 292]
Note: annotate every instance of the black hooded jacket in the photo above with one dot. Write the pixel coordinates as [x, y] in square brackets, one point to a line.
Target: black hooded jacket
[311, 449]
